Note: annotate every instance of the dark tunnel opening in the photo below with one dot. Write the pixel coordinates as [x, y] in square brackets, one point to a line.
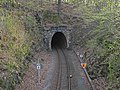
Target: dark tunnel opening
[59, 40]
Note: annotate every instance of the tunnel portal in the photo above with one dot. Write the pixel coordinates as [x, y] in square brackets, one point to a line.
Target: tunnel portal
[58, 40]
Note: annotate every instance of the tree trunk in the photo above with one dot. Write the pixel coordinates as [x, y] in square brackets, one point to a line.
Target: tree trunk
[59, 6]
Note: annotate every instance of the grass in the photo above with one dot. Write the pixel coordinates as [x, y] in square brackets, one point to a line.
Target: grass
[14, 46]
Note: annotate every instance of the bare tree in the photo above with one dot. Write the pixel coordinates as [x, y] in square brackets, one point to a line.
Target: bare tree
[59, 6]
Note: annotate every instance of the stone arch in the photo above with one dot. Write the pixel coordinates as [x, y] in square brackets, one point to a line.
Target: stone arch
[58, 40]
[64, 34]
[49, 33]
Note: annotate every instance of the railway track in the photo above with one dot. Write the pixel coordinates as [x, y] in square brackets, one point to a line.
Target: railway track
[63, 81]
[68, 73]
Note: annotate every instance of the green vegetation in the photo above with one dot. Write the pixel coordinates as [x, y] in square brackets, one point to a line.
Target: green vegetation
[96, 29]
[102, 40]
[20, 36]
[13, 49]
[52, 18]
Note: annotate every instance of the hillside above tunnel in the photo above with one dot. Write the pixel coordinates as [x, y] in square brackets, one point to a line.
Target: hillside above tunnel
[28, 27]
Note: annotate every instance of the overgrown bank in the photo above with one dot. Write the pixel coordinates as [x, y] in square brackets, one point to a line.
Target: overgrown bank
[96, 29]
[100, 42]
[19, 33]
[13, 49]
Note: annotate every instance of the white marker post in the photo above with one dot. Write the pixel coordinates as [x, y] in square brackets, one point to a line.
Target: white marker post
[84, 68]
[38, 66]
[78, 53]
[82, 63]
[81, 56]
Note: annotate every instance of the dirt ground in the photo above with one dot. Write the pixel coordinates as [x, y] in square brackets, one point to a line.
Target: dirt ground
[99, 83]
[34, 79]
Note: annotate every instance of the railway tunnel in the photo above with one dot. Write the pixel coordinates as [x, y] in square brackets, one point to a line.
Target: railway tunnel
[58, 41]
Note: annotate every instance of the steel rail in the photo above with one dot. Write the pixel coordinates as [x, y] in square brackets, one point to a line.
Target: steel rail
[85, 71]
[58, 87]
[68, 71]
[59, 72]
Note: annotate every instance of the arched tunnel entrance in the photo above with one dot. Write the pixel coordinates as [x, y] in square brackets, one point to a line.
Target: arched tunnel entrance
[58, 41]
